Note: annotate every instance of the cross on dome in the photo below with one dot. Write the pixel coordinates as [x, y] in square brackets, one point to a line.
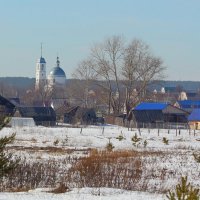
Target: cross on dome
[58, 62]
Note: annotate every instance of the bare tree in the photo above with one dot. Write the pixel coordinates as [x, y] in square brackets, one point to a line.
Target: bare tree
[107, 58]
[44, 94]
[86, 74]
[140, 68]
[111, 63]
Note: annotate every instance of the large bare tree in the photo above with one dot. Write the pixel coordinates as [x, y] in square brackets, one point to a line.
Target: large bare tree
[108, 58]
[119, 68]
[140, 68]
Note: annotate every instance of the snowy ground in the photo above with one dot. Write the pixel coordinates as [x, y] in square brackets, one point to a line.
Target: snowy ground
[82, 194]
[175, 161]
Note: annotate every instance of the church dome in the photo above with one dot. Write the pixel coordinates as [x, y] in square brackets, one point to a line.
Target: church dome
[57, 71]
[41, 60]
[57, 75]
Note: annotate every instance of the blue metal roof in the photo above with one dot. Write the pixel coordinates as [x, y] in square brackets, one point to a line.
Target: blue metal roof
[151, 106]
[195, 115]
[41, 60]
[189, 104]
[57, 71]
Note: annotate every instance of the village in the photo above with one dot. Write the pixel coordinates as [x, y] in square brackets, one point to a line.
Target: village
[99, 100]
[58, 147]
[87, 123]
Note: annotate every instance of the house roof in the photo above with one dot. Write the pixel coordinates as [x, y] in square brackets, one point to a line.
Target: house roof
[6, 102]
[195, 115]
[151, 106]
[15, 101]
[189, 103]
[38, 113]
[9, 107]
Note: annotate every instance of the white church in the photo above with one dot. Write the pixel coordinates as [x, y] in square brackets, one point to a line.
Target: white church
[56, 76]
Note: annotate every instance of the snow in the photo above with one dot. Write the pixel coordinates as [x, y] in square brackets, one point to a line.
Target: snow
[98, 137]
[176, 159]
[82, 194]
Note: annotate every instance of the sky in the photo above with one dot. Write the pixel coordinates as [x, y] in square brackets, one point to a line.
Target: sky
[69, 28]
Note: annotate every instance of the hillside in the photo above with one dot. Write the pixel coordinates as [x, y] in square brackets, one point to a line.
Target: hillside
[25, 83]
[18, 82]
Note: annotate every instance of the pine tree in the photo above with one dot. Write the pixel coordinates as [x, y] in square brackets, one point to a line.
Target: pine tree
[7, 163]
[165, 140]
[184, 191]
[136, 140]
[197, 157]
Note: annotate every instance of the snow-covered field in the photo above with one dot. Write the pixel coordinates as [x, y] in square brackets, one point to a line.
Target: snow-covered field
[82, 194]
[161, 170]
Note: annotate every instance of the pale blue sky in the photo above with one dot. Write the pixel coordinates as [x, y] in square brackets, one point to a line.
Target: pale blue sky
[70, 27]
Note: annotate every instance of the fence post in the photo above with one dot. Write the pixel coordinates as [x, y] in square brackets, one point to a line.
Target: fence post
[139, 131]
[81, 130]
[103, 131]
[158, 132]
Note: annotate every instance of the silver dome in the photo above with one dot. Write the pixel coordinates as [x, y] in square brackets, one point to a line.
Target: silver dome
[57, 71]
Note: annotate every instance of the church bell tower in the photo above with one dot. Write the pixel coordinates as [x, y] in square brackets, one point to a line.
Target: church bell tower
[40, 77]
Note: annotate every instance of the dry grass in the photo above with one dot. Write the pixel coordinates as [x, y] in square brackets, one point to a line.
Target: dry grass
[33, 140]
[117, 169]
[130, 170]
[48, 149]
[19, 189]
[62, 188]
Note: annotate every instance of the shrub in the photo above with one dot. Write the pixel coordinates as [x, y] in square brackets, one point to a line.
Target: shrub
[197, 157]
[120, 137]
[165, 140]
[136, 140]
[109, 146]
[145, 143]
[62, 188]
[116, 169]
[184, 191]
[56, 142]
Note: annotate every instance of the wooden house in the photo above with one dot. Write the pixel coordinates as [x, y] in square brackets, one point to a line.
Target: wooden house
[156, 114]
[78, 115]
[6, 107]
[44, 116]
